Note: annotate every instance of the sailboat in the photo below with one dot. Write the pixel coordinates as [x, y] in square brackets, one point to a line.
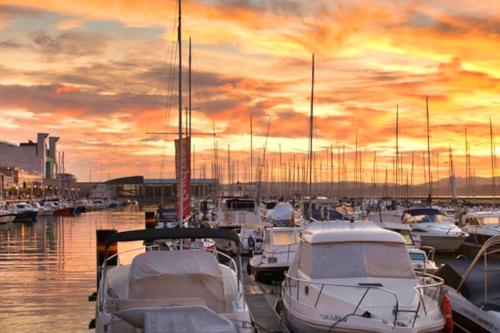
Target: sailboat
[185, 289]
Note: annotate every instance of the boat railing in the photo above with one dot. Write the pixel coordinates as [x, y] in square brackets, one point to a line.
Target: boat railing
[280, 250]
[431, 251]
[292, 285]
[490, 247]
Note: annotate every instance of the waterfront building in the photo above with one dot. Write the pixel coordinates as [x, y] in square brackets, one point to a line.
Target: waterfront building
[33, 157]
[145, 190]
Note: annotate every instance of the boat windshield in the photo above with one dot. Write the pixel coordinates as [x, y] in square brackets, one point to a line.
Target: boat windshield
[490, 220]
[417, 256]
[355, 260]
[434, 218]
[282, 238]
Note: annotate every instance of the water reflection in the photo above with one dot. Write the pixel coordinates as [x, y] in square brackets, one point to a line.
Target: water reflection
[47, 270]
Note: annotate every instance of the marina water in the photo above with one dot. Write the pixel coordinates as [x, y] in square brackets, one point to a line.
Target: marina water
[48, 269]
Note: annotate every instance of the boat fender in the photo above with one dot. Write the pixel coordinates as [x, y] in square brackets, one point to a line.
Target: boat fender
[251, 243]
[446, 309]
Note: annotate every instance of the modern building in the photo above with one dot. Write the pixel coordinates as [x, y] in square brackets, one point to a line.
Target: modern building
[33, 157]
[145, 190]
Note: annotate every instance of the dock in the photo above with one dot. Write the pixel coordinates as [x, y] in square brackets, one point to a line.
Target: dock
[262, 307]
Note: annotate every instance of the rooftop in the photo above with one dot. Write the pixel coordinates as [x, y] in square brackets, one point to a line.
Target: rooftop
[343, 231]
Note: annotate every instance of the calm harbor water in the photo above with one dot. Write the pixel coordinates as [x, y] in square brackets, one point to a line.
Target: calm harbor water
[47, 270]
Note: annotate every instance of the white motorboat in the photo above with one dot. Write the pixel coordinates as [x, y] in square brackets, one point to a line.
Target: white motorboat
[421, 262]
[243, 217]
[24, 212]
[280, 245]
[43, 210]
[178, 291]
[435, 229]
[474, 289]
[357, 277]
[6, 216]
[480, 226]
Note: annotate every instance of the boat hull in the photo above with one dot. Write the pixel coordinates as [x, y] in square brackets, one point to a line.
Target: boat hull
[7, 218]
[446, 244]
[66, 211]
[29, 216]
[303, 325]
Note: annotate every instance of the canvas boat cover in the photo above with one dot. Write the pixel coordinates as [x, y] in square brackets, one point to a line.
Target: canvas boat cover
[178, 319]
[282, 211]
[178, 274]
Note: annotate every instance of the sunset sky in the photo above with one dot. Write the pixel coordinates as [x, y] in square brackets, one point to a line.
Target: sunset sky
[99, 75]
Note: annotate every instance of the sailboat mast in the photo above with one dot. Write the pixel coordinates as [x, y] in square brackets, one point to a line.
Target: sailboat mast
[251, 149]
[428, 150]
[189, 97]
[397, 150]
[311, 124]
[179, 163]
[492, 148]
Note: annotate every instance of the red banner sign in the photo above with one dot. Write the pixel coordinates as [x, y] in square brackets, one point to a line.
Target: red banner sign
[186, 175]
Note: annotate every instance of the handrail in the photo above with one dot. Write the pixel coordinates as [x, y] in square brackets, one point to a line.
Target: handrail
[276, 251]
[492, 241]
[418, 290]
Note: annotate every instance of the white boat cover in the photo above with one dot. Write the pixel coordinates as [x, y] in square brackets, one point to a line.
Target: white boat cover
[282, 211]
[177, 274]
[178, 319]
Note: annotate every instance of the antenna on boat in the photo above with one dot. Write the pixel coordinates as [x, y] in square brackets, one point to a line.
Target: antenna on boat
[311, 124]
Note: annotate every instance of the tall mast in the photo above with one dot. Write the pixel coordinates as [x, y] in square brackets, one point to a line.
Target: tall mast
[355, 164]
[397, 150]
[428, 150]
[453, 189]
[180, 166]
[251, 148]
[189, 99]
[374, 174]
[492, 148]
[311, 124]
[467, 175]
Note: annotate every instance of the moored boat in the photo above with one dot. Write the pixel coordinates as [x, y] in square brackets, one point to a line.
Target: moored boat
[480, 226]
[435, 229]
[280, 245]
[357, 277]
[24, 212]
[184, 290]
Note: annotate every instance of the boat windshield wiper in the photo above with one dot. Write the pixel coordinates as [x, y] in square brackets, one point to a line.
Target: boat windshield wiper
[375, 284]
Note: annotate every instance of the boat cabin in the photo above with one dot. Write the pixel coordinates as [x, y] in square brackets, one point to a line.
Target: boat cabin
[344, 250]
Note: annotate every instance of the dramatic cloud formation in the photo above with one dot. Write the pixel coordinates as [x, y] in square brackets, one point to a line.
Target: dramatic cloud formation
[102, 75]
